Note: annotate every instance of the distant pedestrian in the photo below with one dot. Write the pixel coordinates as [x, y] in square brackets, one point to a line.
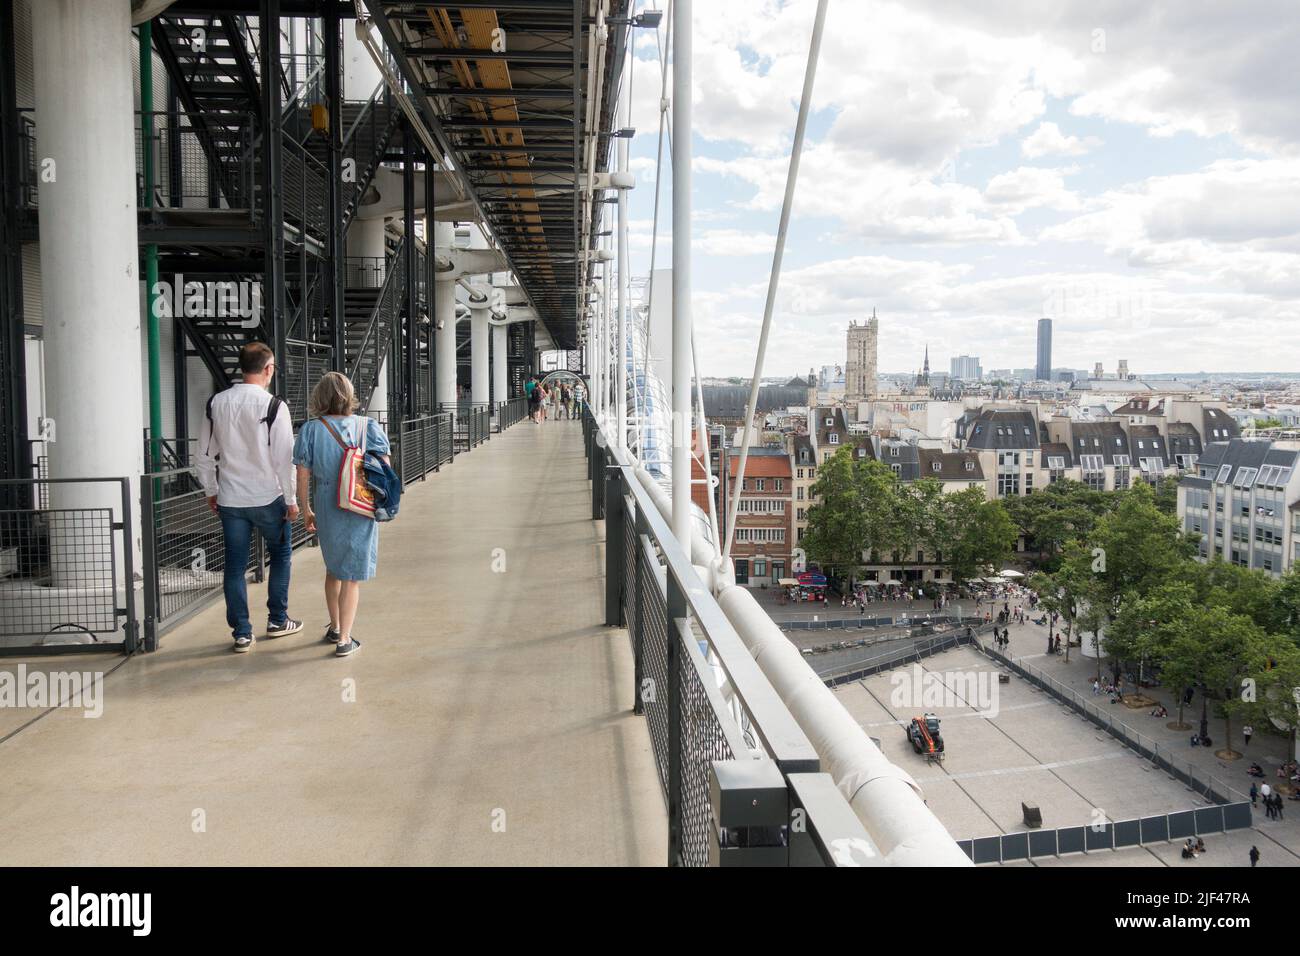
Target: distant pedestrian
[1277, 805]
[1247, 732]
[1254, 855]
[1096, 687]
[1254, 794]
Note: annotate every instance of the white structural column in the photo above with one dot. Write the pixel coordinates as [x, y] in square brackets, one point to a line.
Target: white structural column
[90, 280]
[681, 374]
[500, 373]
[624, 263]
[478, 349]
[444, 319]
[602, 340]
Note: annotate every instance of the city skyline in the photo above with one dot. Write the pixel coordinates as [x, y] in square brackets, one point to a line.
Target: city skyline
[1139, 192]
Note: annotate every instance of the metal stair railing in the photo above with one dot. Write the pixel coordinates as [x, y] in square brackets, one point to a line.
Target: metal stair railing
[379, 328]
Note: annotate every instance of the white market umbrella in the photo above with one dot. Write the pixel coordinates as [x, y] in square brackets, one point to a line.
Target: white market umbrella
[1011, 573]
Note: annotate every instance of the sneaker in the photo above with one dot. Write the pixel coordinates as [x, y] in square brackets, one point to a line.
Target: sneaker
[290, 626]
[243, 643]
[346, 650]
[331, 636]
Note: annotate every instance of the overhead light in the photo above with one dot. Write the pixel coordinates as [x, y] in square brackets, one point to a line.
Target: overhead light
[649, 19]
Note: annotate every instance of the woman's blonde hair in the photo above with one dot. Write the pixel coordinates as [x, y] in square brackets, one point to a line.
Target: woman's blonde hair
[333, 395]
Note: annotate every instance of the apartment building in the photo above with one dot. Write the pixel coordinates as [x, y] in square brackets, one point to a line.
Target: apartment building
[1006, 442]
[1244, 503]
[763, 540]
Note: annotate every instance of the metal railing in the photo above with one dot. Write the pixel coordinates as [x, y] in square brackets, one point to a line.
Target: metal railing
[371, 348]
[511, 412]
[471, 423]
[366, 272]
[422, 445]
[889, 660]
[184, 550]
[304, 364]
[1108, 834]
[67, 574]
[735, 769]
[28, 174]
[304, 190]
[206, 162]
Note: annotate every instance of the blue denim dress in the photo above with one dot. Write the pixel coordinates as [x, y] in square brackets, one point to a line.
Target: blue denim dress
[349, 542]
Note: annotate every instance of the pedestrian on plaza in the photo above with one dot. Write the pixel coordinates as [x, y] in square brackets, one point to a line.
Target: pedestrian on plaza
[579, 396]
[1096, 687]
[1254, 793]
[349, 542]
[1277, 805]
[1254, 855]
[1247, 732]
[249, 430]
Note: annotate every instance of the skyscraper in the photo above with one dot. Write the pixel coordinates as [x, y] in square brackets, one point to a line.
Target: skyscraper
[1043, 370]
[860, 370]
[966, 368]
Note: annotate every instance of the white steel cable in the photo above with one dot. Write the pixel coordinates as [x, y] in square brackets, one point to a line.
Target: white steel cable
[792, 177]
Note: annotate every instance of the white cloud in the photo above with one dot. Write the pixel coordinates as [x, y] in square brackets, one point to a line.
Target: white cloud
[1048, 140]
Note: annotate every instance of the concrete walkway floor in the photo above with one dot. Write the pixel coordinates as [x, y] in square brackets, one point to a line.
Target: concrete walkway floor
[486, 720]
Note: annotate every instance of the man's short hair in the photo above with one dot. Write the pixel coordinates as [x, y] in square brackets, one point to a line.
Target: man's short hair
[254, 357]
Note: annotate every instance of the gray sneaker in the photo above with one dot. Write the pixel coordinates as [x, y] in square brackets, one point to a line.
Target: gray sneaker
[243, 643]
[348, 649]
[331, 636]
[290, 626]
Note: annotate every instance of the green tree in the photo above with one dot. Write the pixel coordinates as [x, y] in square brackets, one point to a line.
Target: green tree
[1166, 495]
[837, 527]
[979, 531]
[1136, 548]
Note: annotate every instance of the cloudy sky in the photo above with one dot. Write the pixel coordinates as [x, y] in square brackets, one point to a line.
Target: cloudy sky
[1131, 170]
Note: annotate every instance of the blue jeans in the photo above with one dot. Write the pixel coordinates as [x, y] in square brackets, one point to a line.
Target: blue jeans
[237, 524]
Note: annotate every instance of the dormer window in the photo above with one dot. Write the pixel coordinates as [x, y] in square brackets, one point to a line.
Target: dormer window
[936, 466]
[833, 438]
[893, 451]
[970, 466]
[830, 423]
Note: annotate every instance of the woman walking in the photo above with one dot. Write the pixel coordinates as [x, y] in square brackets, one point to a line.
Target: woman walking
[349, 542]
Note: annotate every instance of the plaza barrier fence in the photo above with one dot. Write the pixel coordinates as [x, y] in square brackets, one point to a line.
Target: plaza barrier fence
[67, 566]
[1109, 835]
[734, 772]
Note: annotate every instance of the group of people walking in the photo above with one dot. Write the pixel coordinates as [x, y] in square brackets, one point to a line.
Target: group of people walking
[563, 398]
[256, 475]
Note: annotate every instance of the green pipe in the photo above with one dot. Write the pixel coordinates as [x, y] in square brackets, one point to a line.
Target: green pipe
[151, 250]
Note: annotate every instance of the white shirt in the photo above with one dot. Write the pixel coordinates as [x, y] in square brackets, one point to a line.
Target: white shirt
[253, 472]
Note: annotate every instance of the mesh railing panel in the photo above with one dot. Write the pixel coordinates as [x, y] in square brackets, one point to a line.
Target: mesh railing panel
[652, 615]
[189, 551]
[57, 572]
[703, 741]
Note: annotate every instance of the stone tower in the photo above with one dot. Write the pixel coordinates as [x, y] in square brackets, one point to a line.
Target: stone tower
[860, 370]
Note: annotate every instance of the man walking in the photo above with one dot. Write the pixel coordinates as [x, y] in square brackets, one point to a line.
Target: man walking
[248, 430]
[1247, 732]
[1254, 855]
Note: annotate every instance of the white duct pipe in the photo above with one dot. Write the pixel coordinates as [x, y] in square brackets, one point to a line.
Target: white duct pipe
[884, 796]
[681, 381]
